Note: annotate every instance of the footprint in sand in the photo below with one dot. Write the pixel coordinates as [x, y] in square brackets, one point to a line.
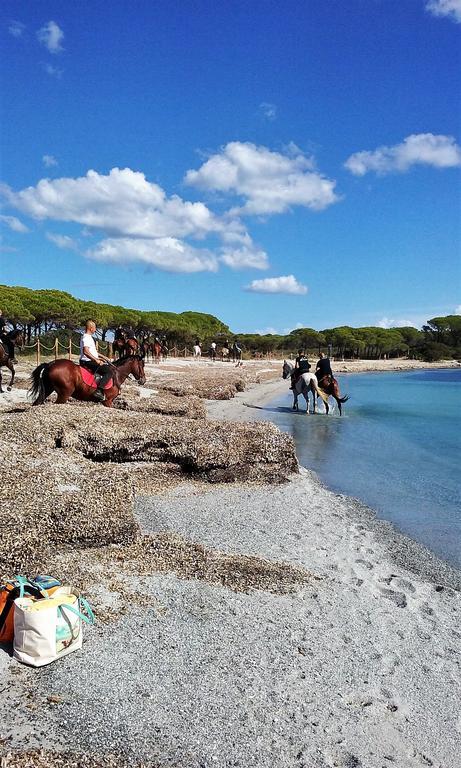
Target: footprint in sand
[399, 598]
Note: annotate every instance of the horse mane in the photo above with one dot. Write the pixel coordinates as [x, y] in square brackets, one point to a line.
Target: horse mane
[122, 360]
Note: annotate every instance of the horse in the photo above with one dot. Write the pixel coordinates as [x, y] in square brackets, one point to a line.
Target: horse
[118, 344]
[146, 348]
[225, 354]
[15, 337]
[158, 350]
[306, 383]
[328, 388]
[65, 378]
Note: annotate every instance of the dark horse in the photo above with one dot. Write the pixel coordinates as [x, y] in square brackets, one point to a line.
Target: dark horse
[15, 338]
[65, 378]
[327, 386]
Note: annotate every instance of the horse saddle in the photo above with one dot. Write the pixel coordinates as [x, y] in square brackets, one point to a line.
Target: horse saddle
[90, 379]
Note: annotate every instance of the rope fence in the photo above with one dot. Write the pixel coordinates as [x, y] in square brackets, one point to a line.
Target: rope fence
[71, 349]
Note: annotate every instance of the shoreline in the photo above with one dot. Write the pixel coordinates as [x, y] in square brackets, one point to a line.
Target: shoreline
[403, 549]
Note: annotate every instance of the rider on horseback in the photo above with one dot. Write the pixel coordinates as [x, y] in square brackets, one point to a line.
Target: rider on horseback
[93, 361]
[302, 365]
[323, 371]
[5, 338]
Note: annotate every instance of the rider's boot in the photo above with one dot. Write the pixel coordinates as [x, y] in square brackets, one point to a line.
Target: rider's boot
[99, 394]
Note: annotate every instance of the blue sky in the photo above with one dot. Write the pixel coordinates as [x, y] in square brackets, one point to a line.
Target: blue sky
[275, 164]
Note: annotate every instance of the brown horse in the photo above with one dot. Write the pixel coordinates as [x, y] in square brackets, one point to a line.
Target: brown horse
[65, 378]
[16, 338]
[330, 386]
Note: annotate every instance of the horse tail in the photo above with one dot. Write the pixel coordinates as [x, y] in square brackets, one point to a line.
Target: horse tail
[322, 394]
[38, 389]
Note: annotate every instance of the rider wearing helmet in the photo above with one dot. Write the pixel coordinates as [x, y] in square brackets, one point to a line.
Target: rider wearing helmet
[302, 365]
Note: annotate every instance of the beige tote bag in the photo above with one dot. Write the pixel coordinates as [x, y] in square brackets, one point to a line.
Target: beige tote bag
[46, 630]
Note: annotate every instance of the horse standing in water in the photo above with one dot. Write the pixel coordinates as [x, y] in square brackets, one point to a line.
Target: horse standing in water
[16, 338]
[66, 378]
[305, 384]
[329, 388]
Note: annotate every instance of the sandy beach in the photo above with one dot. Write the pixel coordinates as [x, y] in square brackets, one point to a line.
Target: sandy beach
[356, 663]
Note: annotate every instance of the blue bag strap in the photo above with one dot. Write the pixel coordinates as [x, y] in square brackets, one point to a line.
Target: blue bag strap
[24, 582]
[83, 603]
[81, 600]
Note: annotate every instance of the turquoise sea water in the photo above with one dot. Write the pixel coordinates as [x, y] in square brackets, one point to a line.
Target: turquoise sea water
[396, 448]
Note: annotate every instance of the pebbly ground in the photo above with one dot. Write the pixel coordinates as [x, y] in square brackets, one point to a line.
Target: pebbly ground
[360, 667]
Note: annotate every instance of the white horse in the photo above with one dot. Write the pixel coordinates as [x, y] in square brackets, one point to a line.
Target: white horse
[306, 383]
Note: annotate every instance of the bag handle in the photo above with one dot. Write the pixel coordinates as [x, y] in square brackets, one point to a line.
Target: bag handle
[23, 582]
[82, 603]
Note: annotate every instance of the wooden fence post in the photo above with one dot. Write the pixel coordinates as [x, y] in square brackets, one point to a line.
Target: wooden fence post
[56, 349]
[38, 351]
[70, 348]
[111, 350]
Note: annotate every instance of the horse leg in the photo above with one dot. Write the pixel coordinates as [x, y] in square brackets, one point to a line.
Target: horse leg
[1, 390]
[339, 405]
[314, 400]
[10, 366]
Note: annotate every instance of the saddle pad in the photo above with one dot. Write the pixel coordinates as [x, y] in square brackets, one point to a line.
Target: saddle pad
[88, 378]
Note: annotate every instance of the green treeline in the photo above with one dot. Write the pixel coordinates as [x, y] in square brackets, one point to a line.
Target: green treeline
[57, 312]
[44, 311]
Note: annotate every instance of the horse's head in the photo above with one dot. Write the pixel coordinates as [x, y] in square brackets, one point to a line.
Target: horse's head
[18, 337]
[287, 369]
[137, 369]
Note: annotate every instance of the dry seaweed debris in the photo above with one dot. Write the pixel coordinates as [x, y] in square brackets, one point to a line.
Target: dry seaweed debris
[166, 552]
[165, 404]
[73, 471]
[41, 758]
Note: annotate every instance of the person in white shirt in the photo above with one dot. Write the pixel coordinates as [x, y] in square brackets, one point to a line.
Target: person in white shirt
[91, 359]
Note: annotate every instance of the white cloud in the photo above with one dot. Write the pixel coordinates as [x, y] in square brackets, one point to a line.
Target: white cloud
[450, 8]
[13, 223]
[246, 257]
[123, 203]
[166, 253]
[271, 182]
[458, 310]
[51, 36]
[389, 322]
[268, 110]
[16, 28]
[49, 161]
[417, 149]
[283, 284]
[63, 241]
[53, 71]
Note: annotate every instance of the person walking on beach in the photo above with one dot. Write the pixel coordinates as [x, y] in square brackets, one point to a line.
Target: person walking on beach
[237, 353]
[197, 350]
[213, 351]
[93, 361]
[323, 370]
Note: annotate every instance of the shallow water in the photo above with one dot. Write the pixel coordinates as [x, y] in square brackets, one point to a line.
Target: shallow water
[396, 447]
